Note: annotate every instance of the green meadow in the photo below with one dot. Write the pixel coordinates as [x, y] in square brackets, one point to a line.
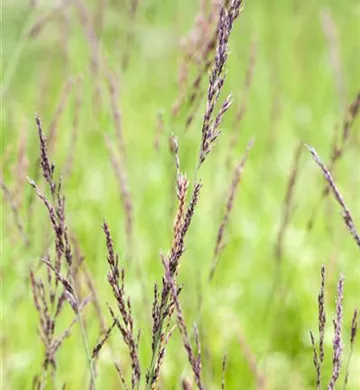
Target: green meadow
[259, 306]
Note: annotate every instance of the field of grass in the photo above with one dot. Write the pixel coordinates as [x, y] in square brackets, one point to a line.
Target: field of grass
[258, 308]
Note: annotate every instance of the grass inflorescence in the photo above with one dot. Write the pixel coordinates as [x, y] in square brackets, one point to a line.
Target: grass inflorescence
[91, 298]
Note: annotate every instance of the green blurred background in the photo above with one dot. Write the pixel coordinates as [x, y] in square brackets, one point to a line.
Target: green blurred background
[293, 98]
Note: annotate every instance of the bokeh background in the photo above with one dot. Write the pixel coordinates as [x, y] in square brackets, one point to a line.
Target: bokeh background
[258, 309]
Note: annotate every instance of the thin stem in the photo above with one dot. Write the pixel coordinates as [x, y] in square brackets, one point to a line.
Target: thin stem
[156, 345]
[347, 368]
[83, 334]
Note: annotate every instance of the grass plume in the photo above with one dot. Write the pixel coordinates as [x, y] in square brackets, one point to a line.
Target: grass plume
[63, 256]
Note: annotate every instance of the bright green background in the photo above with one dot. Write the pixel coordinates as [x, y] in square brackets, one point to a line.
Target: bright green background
[294, 76]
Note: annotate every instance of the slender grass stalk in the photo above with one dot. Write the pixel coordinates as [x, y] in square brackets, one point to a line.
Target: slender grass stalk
[85, 341]
[354, 328]
[18, 222]
[346, 213]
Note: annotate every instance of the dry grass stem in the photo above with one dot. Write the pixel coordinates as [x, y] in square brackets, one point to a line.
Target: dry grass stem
[120, 174]
[330, 33]
[194, 108]
[251, 360]
[288, 206]
[130, 34]
[349, 119]
[75, 128]
[237, 174]
[241, 109]
[86, 22]
[20, 170]
[354, 328]
[248, 81]
[60, 107]
[46, 17]
[114, 93]
[100, 16]
[119, 164]
[160, 130]
[15, 211]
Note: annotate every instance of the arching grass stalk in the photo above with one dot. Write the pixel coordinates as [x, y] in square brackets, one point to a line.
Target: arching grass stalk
[46, 294]
[162, 309]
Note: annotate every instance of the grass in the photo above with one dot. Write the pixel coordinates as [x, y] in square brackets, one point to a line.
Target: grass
[293, 98]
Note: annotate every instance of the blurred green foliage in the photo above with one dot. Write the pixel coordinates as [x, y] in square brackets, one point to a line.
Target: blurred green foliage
[293, 98]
